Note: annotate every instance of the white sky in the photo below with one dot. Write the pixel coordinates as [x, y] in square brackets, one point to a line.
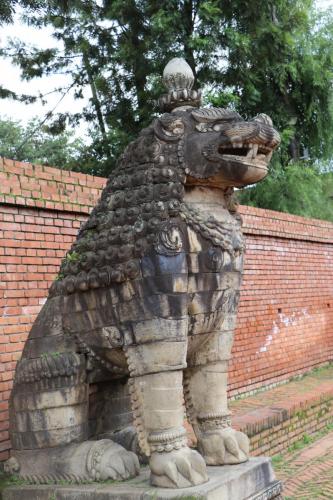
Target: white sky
[10, 76]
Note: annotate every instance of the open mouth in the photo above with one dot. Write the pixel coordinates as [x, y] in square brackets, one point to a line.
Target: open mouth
[257, 152]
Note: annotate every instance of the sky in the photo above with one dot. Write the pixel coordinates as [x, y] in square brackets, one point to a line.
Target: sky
[10, 76]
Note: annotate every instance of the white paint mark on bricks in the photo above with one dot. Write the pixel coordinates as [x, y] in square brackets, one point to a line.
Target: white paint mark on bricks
[285, 321]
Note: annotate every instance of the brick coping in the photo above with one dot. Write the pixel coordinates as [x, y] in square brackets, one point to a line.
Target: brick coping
[267, 411]
[31, 185]
[51, 188]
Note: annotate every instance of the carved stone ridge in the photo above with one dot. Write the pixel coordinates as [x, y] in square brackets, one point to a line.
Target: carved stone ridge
[212, 421]
[48, 366]
[167, 441]
[273, 492]
[94, 458]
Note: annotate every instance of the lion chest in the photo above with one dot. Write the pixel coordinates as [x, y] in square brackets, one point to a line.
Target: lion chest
[214, 279]
[189, 285]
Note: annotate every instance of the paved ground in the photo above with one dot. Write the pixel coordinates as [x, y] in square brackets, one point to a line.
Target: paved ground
[308, 473]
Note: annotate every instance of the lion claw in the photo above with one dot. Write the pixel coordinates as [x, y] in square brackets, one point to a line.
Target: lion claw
[224, 446]
[177, 469]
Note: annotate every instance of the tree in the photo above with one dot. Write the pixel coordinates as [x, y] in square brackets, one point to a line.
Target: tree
[273, 57]
[36, 145]
[280, 62]
[118, 50]
[293, 84]
[7, 8]
[300, 189]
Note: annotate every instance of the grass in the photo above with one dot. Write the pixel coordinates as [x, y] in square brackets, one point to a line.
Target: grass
[6, 481]
[282, 462]
[276, 460]
[303, 442]
[285, 465]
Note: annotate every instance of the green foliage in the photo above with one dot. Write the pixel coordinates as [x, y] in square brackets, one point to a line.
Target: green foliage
[72, 257]
[7, 10]
[7, 480]
[35, 144]
[272, 57]
[302, 443]
[280, 62]
[299, 189]
[277, 459]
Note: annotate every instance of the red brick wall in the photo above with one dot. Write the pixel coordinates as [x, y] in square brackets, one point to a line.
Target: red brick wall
[285, 318]
[41, 209]
[285, 321]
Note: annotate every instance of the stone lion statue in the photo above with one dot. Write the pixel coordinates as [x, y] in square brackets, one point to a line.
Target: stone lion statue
[142, 313]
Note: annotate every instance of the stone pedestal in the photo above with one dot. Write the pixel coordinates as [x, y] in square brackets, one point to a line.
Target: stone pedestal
[252, 480]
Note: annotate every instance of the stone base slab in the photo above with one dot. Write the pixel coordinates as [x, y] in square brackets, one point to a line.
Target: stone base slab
[252, 480]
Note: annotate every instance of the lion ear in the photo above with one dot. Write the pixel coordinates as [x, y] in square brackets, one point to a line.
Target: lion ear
[166, 128]
[263, 119]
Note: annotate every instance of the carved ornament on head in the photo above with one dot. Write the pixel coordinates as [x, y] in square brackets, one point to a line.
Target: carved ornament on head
[178, 78]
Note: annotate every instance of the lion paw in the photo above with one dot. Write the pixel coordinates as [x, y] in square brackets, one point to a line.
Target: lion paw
[109, 460]
[177, 469]
[224, 446]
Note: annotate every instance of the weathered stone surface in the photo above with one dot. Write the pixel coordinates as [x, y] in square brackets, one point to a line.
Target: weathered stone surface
[253, 480]
[147, 297]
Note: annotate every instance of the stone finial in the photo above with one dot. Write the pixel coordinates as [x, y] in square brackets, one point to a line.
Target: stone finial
[179, 79]
[178, 75]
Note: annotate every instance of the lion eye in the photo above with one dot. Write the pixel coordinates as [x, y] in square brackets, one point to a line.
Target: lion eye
[202, 127]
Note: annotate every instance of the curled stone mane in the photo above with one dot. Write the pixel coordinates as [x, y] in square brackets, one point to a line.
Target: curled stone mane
[143, 193]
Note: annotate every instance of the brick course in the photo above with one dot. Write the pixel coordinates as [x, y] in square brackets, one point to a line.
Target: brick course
[285, 320]
[277, 418]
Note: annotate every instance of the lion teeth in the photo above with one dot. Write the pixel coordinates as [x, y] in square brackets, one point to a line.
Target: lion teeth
[254, 150]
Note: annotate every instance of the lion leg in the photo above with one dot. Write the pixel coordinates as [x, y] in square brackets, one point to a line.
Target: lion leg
[111, 415]
[49, 413]
[206, 402]
[157, 400]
